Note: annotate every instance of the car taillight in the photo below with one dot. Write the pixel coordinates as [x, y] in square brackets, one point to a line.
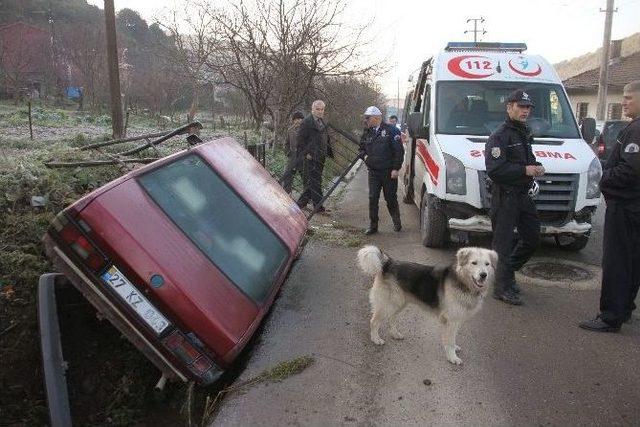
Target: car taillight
[76, 239]
[198, 363]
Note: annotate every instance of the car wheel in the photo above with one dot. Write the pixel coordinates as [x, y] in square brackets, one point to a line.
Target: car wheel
[433, 223]
[408, 188]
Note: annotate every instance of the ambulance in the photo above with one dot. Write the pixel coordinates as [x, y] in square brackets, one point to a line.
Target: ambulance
[455, 103]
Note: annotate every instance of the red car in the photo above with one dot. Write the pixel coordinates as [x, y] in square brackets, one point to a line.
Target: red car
[184, 256]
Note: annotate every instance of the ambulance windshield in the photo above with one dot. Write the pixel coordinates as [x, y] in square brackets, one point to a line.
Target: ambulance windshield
[478, 108]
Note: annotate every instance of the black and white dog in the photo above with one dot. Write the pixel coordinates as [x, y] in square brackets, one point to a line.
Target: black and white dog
[453, 293]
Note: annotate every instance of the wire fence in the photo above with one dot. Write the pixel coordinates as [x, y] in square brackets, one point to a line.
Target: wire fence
[295, 172]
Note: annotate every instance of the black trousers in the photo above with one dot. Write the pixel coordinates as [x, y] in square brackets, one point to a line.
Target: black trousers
[620, 261]
[509, 210]
[381, 180]
[312, 181]
[293, 165]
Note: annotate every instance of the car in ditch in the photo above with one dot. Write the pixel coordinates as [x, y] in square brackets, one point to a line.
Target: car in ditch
[184, 256]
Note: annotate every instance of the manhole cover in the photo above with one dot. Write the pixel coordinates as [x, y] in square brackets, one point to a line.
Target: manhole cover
[556, 271]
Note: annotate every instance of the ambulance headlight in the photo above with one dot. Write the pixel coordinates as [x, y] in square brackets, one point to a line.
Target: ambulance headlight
[593, 179]
[456, 175]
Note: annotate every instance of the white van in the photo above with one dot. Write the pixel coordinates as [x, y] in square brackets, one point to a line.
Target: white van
[457, 100]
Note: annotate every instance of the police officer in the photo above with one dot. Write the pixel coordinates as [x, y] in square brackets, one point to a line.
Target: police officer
[620, 186]
[511, 167]
[382, 151]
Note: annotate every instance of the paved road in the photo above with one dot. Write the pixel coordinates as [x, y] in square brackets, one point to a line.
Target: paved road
[525, 365]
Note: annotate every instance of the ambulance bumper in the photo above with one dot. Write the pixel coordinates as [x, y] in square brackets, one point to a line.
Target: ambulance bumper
[482, 224]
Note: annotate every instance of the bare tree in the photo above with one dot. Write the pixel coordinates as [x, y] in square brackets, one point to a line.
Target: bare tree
[275, 52]
[24, 55]
[84, 48]
[347, 97]
[193, 30]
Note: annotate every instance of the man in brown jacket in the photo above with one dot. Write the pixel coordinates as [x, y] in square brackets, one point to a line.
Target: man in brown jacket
[294, 165]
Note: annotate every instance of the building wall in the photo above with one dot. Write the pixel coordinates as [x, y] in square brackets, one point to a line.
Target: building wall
[592, 102]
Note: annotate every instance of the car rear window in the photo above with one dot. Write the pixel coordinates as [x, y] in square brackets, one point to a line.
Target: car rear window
[218, 222]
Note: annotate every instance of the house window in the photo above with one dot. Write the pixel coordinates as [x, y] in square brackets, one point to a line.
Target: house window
[614, 112]
[582, 109]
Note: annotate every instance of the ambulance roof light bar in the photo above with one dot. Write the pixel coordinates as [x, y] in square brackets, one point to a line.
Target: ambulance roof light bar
[484, 46]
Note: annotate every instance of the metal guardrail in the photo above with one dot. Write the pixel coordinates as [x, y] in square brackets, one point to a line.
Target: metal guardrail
[52, 359]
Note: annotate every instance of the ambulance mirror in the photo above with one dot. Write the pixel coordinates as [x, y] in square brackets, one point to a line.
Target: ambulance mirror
[588, 129]
[417, 128]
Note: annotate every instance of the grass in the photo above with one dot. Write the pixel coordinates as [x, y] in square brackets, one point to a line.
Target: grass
[337, 233]
[277, 373]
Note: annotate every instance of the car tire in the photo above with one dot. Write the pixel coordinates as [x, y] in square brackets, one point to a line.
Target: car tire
[407, 191]
[433, 223]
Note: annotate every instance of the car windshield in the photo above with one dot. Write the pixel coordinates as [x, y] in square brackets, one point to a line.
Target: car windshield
[218, 222]
[478, 108]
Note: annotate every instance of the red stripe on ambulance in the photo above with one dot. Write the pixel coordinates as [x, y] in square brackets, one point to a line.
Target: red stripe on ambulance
[430, 164]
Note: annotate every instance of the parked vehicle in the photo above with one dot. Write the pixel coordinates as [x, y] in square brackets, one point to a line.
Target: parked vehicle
[607, 137]
[184, 256]
[457, 101]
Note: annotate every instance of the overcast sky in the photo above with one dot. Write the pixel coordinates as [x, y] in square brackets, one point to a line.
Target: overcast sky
[409, 31]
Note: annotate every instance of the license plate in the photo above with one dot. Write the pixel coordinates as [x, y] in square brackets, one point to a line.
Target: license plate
[130, 294]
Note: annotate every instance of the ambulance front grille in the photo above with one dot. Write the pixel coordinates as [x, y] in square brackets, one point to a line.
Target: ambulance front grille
[558, 193]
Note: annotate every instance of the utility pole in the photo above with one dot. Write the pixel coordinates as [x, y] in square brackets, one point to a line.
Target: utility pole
[604, 61]
[475, 30]
[114, 72]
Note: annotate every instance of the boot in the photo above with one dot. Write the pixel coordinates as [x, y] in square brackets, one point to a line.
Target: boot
[397, 224]
[373, 229]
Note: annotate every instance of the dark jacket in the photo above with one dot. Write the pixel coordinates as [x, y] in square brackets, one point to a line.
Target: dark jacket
[312, 140]
[291, 141]
[507, 152]
[383, 148]
[621, 173]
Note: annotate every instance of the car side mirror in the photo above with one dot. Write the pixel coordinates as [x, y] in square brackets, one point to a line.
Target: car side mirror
[417, 128]
[588, 129]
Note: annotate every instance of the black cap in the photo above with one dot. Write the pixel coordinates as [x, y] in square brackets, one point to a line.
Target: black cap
[297, 115]
[520, 97]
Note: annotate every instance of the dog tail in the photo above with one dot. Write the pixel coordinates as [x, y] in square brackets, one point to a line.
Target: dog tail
[371, 259]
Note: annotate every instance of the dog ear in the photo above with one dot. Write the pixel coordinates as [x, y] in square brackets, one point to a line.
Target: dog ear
[493, 255]
[462, 256]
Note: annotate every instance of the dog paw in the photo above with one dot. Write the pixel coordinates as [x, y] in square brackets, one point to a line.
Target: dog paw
[454, 359]
[377, 341]
[397, 336]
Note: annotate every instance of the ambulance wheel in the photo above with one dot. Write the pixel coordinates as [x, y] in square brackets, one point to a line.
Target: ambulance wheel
[407, 189]
[572, 243]
[433, 223]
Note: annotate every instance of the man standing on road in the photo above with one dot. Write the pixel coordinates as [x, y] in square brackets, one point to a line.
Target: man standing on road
[511, 166]
[382, 151]
[620, 186]
[313, 146]
[290, 148]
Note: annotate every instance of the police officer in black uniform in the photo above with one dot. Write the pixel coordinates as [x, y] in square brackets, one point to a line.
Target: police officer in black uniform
[382, 151]
[511, 167]
[620, 186]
